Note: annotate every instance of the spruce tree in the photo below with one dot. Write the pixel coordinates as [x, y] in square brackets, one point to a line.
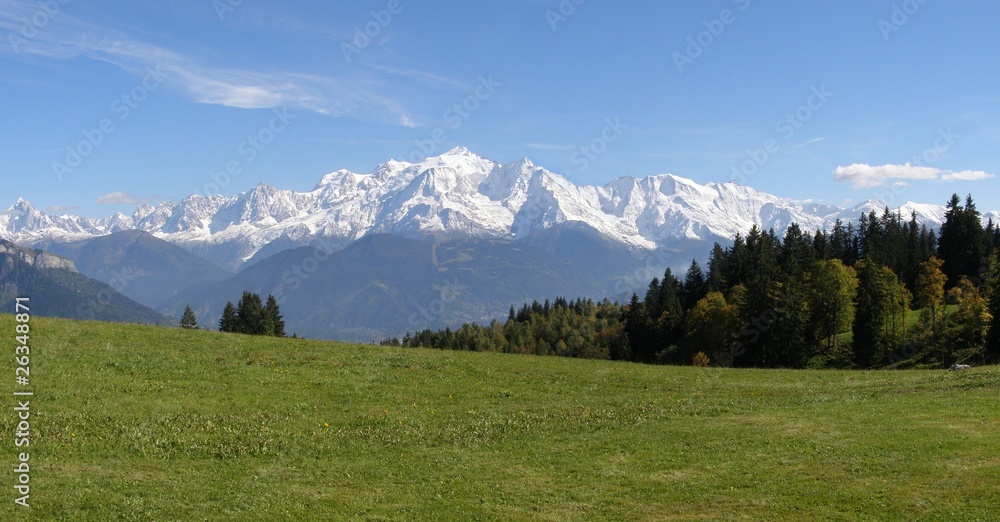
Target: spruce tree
[229, 321]
[274, 319]
[797, 252]
[664, 314]
[758, 307]
[638, 331]
[960, 244]
[868, 348]
[715, 281]
[789, 338]
[188, 319]
[821, 246]
[250, 312]
[842, 243]
[695, 286]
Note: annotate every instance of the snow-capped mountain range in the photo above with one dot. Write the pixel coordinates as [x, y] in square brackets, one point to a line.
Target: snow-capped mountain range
[455, 195]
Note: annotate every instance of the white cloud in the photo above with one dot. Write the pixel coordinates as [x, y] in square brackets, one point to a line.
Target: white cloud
[966, 175]
[115, 198]
[863, 176]
[61, 209]
[122, 198]
[867, 176]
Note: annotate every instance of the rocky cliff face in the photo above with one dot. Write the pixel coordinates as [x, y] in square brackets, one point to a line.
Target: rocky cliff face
[35, 258]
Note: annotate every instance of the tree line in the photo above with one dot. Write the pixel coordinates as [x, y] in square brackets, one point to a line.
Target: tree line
[252, 316]
[839, 298]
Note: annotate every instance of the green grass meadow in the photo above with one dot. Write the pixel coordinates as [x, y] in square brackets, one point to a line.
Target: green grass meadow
[145, 423]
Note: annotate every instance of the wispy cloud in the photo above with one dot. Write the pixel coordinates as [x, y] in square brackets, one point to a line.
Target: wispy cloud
[122, 198]
[812, 141]
[863, 176]
[358, 91]
[61, 209]
[421, 76]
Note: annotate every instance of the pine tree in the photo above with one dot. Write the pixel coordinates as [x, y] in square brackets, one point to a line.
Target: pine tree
[758, 307]
[274, 318]
[229, 321]
[665, 313]
[797, 252]
[821, 246]
[695, 286]
[913, 252]
[960, 244]
[842, 243]
[715, 280]
[250, 312]
[734, 267]
[638, 331]
[788, 338]
[188, 319]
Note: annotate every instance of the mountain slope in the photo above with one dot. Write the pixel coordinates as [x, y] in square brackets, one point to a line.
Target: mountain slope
[139, 265]
[58, 290]
[385, 285]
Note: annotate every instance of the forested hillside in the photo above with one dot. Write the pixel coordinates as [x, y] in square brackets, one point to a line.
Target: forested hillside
[886, 291]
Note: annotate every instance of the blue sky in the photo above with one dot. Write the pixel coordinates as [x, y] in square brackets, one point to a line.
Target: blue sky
[111, 103]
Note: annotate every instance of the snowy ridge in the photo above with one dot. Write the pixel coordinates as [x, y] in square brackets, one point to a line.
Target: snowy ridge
[456, 194]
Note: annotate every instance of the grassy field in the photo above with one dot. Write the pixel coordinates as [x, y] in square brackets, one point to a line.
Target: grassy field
[144, 423]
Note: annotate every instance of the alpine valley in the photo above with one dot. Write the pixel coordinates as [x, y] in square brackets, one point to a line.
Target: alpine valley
[455, 238]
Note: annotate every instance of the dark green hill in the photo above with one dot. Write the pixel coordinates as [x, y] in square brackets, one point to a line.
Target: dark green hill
[384, 285]
[140, 265]
[59, 291]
